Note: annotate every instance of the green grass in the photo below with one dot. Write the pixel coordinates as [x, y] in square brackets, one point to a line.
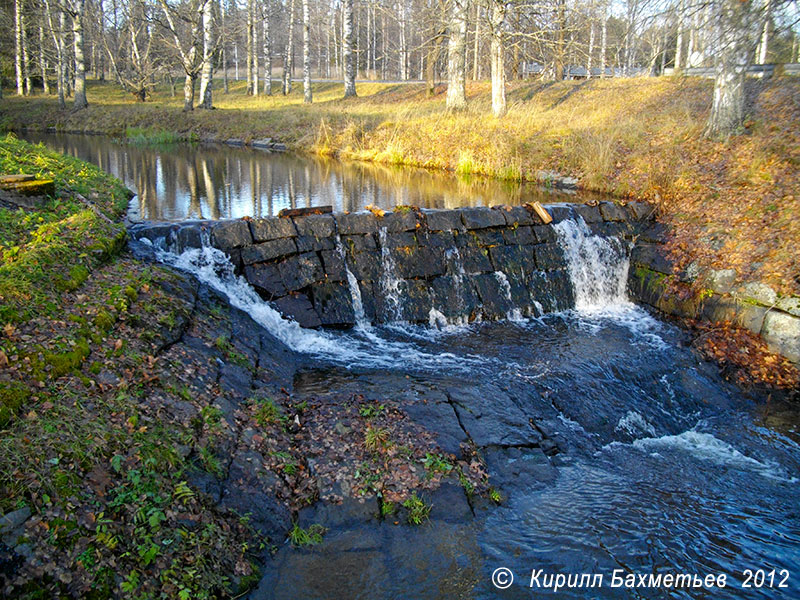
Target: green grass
[418, 510]
[311, 536]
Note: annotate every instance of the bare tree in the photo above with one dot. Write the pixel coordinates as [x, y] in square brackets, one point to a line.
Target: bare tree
[737, 25]
[306, 55]
[288, 57]
[347, 50]
[76, 10]
[18, 33]
[207, 72]
[457, 56]
[497, 50]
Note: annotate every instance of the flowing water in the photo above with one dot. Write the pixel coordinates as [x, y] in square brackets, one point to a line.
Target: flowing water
[660, 466]
[183, 181]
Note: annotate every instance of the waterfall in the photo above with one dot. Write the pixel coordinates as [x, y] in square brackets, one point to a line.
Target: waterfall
[598, 266]
[390, 283]
[355, 290]
[514, 314]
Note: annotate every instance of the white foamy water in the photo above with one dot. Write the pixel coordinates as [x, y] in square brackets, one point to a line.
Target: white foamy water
[364, 348]
[598, 266]
[634, 424]
[390, 284]
[706, 447]
[355, 290]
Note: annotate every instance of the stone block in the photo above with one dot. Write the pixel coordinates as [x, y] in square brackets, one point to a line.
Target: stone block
[656, 233]
[454, 296]
[544, 234]
[481, 218]
[317, 225]
[416, 301]
[476, 260]
[359, 222]
[272, 228]
[366, 265]
[590, 214]
[268, 251]
[266, 279]
[726, 308]
[417, 261]
[613, 212]
[720, 280]
[300, 271]
[549, 257]
[364, 241]
[759, 293]
[781, 331]
[640, 210]
[298, 308]
[489, 237]
[512, 259]
[231, 234]
[399, 221]
[520, 235]
[516, 215]
[310, 243]
[436, 239]
[400, 239]
[189, 236]
[651, 256]
[333, 265]
[443, 220]
[494, 303]
[560, 212]
[790, 304]
[333, 304]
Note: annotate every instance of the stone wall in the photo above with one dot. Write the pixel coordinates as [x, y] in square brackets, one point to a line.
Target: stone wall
[752, 305]
[411, 265]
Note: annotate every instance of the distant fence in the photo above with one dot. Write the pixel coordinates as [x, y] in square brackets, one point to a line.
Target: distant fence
[761, 70]
[530, 69]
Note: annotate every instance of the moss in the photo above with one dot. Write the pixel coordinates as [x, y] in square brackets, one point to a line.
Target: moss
[61, 363]
[13, 395]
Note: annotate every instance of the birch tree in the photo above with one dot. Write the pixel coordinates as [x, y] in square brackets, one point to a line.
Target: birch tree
[457, 56]
[76, 10]
[738, 22]
[347, 50]
[206, 77]
[497, 50]
[306, 55]
[18, 46]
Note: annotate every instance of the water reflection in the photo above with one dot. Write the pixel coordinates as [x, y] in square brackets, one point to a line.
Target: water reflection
[213, 182]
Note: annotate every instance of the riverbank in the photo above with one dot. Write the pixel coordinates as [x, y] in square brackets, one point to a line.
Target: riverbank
[726, 205]
[151, 442]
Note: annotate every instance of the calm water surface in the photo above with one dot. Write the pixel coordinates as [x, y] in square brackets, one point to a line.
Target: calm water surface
[191, 181]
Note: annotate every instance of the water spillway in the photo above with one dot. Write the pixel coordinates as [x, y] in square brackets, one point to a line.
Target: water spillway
[444, 266]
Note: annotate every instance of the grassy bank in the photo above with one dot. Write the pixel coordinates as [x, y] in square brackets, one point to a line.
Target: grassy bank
[727, 204]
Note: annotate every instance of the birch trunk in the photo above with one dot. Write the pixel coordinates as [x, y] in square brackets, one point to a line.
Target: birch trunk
[207, 72]
[764, 44]
[457, 56]
[498, 58]
[79, 101]
[679, 41]
[306, 55]
[43, 61]
[288, 56]
[254, 46]
[18, 46]
[347, 51]
[26, 62]
[738, 21]
[603, 46]
[267, 54]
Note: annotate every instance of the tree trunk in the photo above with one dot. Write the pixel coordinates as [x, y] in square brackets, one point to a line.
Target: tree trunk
[188, 92]
[267, 53]
[603, 40]
[250, 50]
[477, 44]
[738, 21]
[498, 58]
[207, 74]
[18, 46]
[457, 57]
[306, 55]
[558, 65]
[287, 57]
[679, 41]
[764, 44]
[254, 45]
[79, 101]
[591, 52]
[349, 58]
[43, 61]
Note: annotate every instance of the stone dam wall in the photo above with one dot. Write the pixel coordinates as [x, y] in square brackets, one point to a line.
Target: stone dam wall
[752, 305]
[442, 265]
